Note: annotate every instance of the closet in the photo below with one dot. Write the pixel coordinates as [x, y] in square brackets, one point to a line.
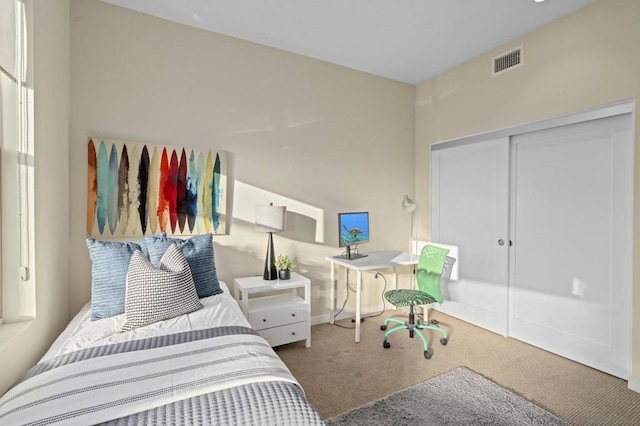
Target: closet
[542, 216]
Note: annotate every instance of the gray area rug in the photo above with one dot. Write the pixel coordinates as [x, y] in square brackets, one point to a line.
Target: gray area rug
[458, 397]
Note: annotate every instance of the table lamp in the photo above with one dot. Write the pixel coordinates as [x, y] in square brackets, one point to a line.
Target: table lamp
[270, 219]
[408, 206]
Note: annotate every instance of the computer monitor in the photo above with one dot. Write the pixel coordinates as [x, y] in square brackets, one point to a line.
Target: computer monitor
[353, 229]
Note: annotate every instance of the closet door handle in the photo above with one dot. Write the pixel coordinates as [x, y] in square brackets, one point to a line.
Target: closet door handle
[500, 242]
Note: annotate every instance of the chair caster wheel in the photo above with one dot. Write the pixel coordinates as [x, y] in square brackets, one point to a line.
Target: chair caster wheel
[383, 327]
[427, 354]
[434, 322]
[444, 341]
[386, 344]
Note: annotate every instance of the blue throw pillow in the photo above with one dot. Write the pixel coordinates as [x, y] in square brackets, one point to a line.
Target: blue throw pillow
[143, 247]
[198, 250]
[110, 261]
[143, 244]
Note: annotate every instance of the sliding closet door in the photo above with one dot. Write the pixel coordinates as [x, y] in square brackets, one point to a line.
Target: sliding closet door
[469, 208]
[572, 233]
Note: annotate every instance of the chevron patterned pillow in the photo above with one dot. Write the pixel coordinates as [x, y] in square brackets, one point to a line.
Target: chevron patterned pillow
[158, 293]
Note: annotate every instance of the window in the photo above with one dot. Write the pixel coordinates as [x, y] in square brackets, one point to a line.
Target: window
[17, 298]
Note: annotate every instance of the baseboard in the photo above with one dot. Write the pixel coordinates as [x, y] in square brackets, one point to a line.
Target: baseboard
[323, 319]
[634, 384]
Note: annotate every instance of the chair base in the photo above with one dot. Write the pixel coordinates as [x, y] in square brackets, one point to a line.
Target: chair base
[414, 327]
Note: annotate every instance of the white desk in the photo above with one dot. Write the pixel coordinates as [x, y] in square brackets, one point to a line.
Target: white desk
[375, 260]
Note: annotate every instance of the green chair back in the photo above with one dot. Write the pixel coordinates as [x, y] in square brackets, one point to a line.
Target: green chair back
[430, 270]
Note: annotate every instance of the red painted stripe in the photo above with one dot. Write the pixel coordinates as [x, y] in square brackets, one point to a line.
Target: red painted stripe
[171, 191]
[163, 201]
[181, 195]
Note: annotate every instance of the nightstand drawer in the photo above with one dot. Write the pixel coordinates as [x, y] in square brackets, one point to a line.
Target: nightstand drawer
[274, 311]
[280, 310]
[277, 336]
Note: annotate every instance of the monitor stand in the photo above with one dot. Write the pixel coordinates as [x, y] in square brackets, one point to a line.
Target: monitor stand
[349, 255]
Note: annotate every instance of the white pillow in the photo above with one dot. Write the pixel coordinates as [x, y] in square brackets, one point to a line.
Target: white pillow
[158, 293]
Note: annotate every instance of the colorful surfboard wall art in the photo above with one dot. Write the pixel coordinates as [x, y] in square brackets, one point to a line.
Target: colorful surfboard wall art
[136, 189]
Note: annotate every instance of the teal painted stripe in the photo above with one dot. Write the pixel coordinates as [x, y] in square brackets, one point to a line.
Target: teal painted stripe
[199, 171]
[192, 192]
[104, 188]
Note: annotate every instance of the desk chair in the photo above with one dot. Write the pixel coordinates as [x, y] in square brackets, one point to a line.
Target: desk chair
[433, 266]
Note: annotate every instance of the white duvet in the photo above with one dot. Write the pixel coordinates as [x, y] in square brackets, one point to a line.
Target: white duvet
[82, 333]
[115, 384]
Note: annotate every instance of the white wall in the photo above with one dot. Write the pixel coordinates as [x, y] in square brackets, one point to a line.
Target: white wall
[51, 108]
[584, 60]
[316, 136]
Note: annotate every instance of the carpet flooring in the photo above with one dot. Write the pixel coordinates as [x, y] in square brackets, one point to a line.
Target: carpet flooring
[457, 397]
[339, 375]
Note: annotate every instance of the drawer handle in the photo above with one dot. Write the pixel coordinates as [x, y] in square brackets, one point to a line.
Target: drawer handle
[293, 314]
[293, 333]
[264, 320]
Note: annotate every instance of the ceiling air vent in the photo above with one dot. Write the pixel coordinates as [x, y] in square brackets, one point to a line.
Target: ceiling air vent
[507, 61]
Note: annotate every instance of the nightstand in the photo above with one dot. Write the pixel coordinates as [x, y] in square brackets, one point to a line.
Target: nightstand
[280, 318]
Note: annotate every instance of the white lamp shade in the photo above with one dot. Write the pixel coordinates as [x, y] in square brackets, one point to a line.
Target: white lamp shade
[408, 205]
[270, 218]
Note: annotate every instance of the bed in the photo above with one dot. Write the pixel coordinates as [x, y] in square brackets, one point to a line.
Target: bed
[207, 366]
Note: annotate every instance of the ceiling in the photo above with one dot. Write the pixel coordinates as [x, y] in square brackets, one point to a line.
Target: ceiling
[405, 40]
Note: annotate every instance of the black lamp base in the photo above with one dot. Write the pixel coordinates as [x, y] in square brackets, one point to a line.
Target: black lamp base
[270, 272]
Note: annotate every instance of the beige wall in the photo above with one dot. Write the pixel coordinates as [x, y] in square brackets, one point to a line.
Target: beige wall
[585, 60]
[51, 95]
[320, 135]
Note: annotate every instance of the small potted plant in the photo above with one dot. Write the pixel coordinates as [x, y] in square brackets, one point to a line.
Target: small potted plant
[284, 266]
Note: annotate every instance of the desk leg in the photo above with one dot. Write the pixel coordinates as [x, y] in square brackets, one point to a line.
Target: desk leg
[307, 300]
[395, 282]
[358, 287]
[332, 293]
[395, 278]
[413, 277]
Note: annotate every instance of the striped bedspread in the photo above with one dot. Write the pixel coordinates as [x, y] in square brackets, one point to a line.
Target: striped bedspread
[221, 375]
